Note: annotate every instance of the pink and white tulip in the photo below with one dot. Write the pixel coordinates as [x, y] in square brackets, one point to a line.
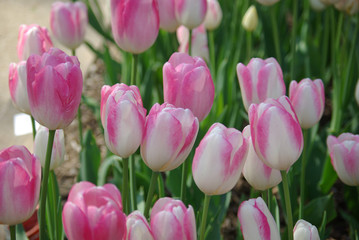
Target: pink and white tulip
[168, 20]
[20, 179]
[344, 153]
[267, 2]
[54, 86]
[308, 101]
[169, 136]
[170, 219]
[135, 24]
[199, 47]
[190, 13]
[257, 174]
[276, 133]
[137, 227]
[256, 220]
[93, 213]
[219, 159]
[213, 16]
[259, 80]
[123, 117]
[305, 230]
[32, 39]
[68, 22]
[187, 83]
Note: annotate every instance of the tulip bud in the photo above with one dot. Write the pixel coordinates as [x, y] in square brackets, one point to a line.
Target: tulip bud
[168, 20]
[190, 13]
[317, 5]
[199, 42]
[219, 160]
[344, 153]
[259, 80]
[137, 227]
[351, 7]
[305, 230]
[308, 100]
[256, 220]
[187, 83]
[214, 15]
[250, 19]
[123, 118]
[68, 23]
[54, 85]
[135, 24]
[267, 2]
[32, 39]
[93, 213]
[357, 92]
[170, 219]
[169, 136]
[20, 178]
[276, 133]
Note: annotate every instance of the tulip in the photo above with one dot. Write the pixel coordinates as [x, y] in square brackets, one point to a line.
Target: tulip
[267, 2]
[199, 42]
[259, 80]
[169, 136]
[18, 88]
[276, 133]
[187, 83]
[168, 20]
[250, 19]
[68, 22]
[351, 7]
[20, 176]
[213, 16]
[305, 230]
[257, 174]
[92, 213]
[317, 5]
[137, 227]
[135, 24]
[32, 39]
[329, 2]
[308, 101]
[54, 85]
[344, 153]
[219, 160]
[190, 13]
[58, 147]
[170, 219]
[256, 220]
[357, 92]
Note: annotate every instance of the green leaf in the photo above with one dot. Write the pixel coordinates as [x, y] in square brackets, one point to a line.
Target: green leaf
[20, 232]
[329, 176]
[107, 164]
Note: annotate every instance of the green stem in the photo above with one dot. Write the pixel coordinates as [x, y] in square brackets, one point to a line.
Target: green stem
[266, 195]
[151, 191]
[190, 43]
[132, 184]
[249, 45]
[325, 42]
[13, 232]
[294, 38]
[358, 192]
[134, 68]
[302, 174]
[161, 191]
[269, 192]
[211, 54]
[275, 35]
[207, 199]
[183, 181]
[33, 127]
[125, 185]
[44, 184]
[287, 204]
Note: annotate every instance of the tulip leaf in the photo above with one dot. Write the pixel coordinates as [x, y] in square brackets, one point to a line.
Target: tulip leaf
[106, 165]
[53, 209]
[329, 176]
[20, 232]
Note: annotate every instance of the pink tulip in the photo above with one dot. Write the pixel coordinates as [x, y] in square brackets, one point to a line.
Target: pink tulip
[257, 174]
[276, 133]
[20, 178]
[199, 42]
[267, 2]
[68, 23]
[169, 136]
[190, 13]
[18, 88]
[123, 118]
[256, 220]
[93, 213]
[168, 20]
[135, 24]
[170, 219]
[305, 230]
[344, 152]
[214, 15]
[137, 227]
[54, 85]
[259, 80]
[308, 101]
[32, 39]
[219, 160]
[187, 83]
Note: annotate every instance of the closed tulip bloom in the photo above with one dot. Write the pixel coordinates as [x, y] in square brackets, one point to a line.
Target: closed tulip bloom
[250, 19]
[169, 136]
[257, 174]
[199, 42]
[276, 133]
[351, 7]
[267, 2]
[214, 15]
[256, 220]
[170, 219]
[308, 101]
[93, 213]
[68, 22]
[54, 86]
[123, 118]
[317, 5]
[135, 24]
[137, 227]
[168, 20]
[20, 179]
[304, 230]
[219, 159]
[344, 153]
[58, 147]
[357, 92]
[187, 83]
[190, 13]
[259, 80]
[18, 87]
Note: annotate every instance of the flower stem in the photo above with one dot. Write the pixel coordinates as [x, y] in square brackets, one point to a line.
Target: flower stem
[207, 199]
[125, 185]
[134, 68]
[190, 43]
[294, 38]
[183, 181]
[249, 45]
[275, 35]
[33, 127]
[267, 198]
[211, 54]
[302, 174]
[287, 205]
[13, 232]
[132, 184]
[151, 191]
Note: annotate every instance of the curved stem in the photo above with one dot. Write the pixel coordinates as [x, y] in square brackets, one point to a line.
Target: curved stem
[132, 184]
[125, 185]
[134, 68]
[302, 174]
[33, 127]
[207, 198]
[211, 54]
[190, 43]
[275, 35]
[183, 181]
[294, 37]
[287, 205]
[13, 232]
[151, 191]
